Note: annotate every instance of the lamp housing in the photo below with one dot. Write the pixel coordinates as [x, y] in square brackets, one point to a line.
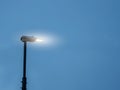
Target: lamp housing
[28, 39]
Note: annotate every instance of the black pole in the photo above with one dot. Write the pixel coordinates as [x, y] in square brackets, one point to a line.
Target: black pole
[24, 79]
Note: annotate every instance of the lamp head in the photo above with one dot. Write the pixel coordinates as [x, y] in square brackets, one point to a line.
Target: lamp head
[28, 39]
[44, 40]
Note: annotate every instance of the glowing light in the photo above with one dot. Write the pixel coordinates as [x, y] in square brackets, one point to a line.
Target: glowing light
[39, 40]
[46, 40]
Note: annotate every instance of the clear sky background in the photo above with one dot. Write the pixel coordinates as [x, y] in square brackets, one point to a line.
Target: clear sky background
[88, 57]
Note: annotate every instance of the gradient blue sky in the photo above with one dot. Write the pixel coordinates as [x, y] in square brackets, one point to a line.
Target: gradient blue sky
[89, 58]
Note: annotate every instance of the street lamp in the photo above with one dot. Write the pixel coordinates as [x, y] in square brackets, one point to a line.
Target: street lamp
[26, 39]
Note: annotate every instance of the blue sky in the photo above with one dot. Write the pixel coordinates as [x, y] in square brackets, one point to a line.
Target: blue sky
[88, 58]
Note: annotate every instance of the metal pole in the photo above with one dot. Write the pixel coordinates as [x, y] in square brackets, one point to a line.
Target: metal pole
[24, 79]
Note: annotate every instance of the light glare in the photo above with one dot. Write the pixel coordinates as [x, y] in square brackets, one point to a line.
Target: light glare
[39, 40]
